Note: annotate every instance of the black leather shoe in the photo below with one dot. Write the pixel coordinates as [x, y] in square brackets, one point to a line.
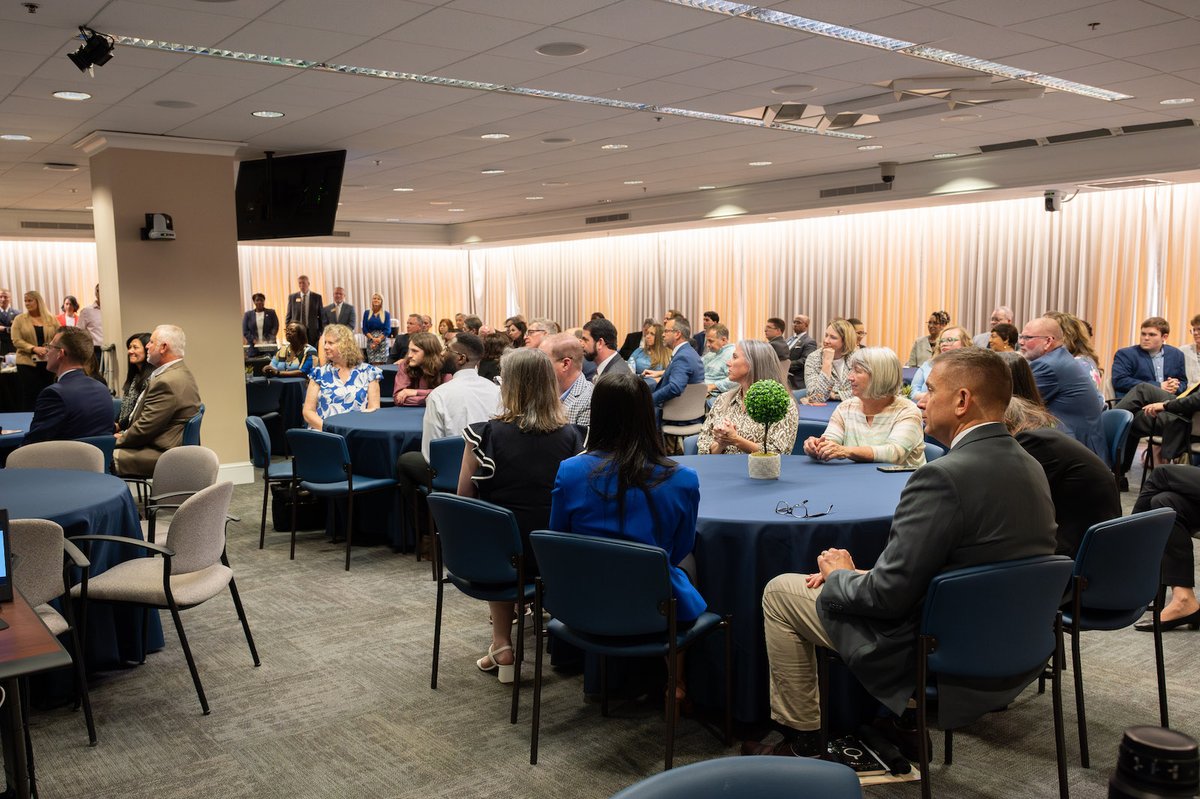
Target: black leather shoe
[1192, 621]
[805, 744]
[903, 738]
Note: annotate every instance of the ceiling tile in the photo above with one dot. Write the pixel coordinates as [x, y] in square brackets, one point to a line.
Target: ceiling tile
[648, 62]
[1168, 36]
[362, 17]
[1116, 16]
[654, 20]
[460, 30]
[291, 41]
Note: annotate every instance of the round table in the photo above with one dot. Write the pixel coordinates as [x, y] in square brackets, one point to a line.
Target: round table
[291, 402]
[375, 440]
[87, 503]
[741, 543]
[13, 421]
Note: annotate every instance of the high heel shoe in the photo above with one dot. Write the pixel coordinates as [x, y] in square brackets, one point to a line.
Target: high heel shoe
[505, 672]
[1192, 620]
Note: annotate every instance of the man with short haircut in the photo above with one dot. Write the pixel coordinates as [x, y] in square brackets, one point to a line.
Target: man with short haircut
[538, 329]
[685, 367]
[1002, 315]
[718, 351]
[566, 354]
[1066, 389]
[8, 312]
[171, 398]
[472, 324]
[426, 323]
[412, 326]
[76, 405]
[800, 324]
[460, 319]
[700, 340]
[305, 308]
[600, 346]
[953, 513]
[773, 332]
[800, 346]
[340, 312]
[1152, 361]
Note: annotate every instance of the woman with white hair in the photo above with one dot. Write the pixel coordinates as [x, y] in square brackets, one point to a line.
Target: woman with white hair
[875, 423]
[728, 429]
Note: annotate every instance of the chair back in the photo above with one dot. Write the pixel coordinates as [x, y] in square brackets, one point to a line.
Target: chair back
[691, 445]
[1121, 560]
[198, 529]
[603, 586]
[317, 456]
[933, 452]
[263, 397]
[117, 401]
[185, 469]
[445, 461]
[260, 442]
[37, 548]
[106, 444]
[807, 429]
[1115, 423]
[191, 430]
[57, 455]
[480, 541]
[995, 620]
[688, 405]
[759, 777]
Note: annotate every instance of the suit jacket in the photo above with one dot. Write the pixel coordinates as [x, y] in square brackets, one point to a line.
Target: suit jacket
[25, 338]
[698, 343]
[684, 369]
[798, 354]
[169, 401]
[346, 317]
[74, 407]
[1132, 365]
[399, 347]
[632, 342]
[985, 501]
[270, 327]
[316, 314]
[1070, 395]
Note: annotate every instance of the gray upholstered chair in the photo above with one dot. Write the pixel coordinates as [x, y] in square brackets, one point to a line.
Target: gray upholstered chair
[40, 557]
[178, 474]
[191, 571]
[57, 455]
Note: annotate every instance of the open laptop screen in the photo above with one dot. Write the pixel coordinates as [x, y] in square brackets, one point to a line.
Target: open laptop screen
[6, 591]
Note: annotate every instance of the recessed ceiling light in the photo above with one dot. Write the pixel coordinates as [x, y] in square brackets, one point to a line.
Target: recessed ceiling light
[494, 136]
[535, 197]
[267, 114]
[1177, 101]
[14, 137]
[491, 171]
[402, 188]
[456, 210]
[174, 104]
[705, 188]
[439, 202]
[561, 49]
[945, 155]
[76, 96]
[555, 184]
[634, 182]
[794, 89]
[57, 167]
[557, 140]
[759, 163]
[614, 147]
[961, 117]
[870, 146]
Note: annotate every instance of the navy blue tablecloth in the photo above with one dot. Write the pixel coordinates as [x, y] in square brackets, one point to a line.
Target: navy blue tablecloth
[13, 421]
[375, 440]
[291, 404]
[86, 503]
[741, 543]
[817, 413]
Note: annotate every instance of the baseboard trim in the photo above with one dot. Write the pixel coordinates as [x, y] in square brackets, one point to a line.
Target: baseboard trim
[238, 473]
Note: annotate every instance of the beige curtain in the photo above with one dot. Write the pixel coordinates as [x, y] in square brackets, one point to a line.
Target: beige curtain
[54, 268]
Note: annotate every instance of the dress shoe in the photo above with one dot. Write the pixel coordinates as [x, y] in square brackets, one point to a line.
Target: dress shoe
[903, 738]
[804, 744]
[1192, 620]
[1123, 484]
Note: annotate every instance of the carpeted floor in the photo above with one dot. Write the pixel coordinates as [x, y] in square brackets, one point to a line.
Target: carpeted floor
[342, 706]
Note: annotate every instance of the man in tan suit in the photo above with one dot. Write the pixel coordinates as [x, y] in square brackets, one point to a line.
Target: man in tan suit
[170, 399]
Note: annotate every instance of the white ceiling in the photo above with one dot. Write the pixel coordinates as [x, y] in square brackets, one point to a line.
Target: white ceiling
[428, 137]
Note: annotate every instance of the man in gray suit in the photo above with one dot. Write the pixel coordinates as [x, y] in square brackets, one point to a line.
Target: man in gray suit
[952, 514]
[339, 312]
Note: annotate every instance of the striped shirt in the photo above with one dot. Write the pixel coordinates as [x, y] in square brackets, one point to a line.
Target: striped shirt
[895, 435]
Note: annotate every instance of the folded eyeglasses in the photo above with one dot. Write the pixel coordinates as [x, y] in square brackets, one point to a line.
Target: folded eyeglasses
[787, 509]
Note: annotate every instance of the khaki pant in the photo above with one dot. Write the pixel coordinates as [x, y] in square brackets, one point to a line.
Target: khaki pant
[792, 630]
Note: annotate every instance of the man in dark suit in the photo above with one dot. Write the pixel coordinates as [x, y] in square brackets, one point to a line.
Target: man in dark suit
[699, 341]
[1159, 412]
[773, 332]
[952, 514]
[600, 347]
[304, 308]
[1152, 361]
[685, 367]
[339, 312]
[77, 405]
[1065, 387]
[800, 346]
[270, 324]
[412, 326]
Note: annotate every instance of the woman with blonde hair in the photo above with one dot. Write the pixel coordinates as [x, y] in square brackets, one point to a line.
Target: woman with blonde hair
[31, 332]
[343, 383]
[511, 461]
[377, 326]
[653, 354]
[952, 338]
[825, 370]
[728, 429]
[422, 370]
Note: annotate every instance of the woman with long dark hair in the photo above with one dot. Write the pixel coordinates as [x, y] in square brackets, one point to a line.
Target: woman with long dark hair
[421, 372]
[515, 327]
[136, 378]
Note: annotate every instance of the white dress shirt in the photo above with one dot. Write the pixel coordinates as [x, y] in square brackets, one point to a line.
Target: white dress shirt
[453, 405]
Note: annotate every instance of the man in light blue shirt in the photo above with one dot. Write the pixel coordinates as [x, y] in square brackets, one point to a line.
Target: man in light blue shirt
[717, 352]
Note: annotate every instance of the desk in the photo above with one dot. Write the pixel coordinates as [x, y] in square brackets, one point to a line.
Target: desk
[375, 440]
[85, 503]
[13, 421]
[741, 543]
[26, 647]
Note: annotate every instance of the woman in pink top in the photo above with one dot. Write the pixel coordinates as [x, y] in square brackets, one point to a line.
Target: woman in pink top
[421, 371]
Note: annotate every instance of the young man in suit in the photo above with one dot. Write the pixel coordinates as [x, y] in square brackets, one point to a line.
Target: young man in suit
[953, 513]
[800, 346]
[77, 405]
[1152, 361]
[304, 308]
[340, 312]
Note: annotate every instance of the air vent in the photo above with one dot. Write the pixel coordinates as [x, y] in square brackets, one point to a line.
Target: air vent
[1098, 133]
[866, 188]
[1174, 123]
[57, 225]
[600, 220]
[1008, 145]
[1132, 183]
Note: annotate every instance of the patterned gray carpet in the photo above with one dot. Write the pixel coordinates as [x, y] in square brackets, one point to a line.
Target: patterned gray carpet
[342, 706]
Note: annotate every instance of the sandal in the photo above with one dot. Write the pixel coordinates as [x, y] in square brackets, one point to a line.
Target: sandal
[505, 671]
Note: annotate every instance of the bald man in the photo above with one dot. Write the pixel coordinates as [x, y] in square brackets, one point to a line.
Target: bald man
[566, 353]
[1066, 388]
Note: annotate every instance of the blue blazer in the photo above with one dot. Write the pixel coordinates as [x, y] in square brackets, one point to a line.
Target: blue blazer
[74, 407]
[1131, 365]
[270, 327]
[684, 369]
[1071, 396]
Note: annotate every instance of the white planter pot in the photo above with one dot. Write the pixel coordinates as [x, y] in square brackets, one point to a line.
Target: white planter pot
[764, 467]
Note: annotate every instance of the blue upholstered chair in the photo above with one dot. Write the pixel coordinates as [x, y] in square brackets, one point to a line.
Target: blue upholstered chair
[321, 465]
[106, 444]
[691, 445]
[484, 558]
[758, 777]
[630, 617]
[260, 455]
[1116, 423]
[445, 463]
[807, 429]
[933, 452]
[191, 430]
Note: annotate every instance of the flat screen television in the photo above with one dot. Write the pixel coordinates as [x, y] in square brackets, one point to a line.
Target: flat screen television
[290, 196]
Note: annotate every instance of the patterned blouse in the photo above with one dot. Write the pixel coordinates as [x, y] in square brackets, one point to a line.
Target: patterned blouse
[337, 397]
[895, 434]
[731, 407]
[821, 387]
[284, 361]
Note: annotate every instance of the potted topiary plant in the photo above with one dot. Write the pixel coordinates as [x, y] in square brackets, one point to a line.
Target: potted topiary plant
[767, 403]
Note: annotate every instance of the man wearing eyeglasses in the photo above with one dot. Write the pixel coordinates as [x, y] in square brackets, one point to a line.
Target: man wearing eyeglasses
[537, 331]
[953, 513]
[1065, 386]
[76, 406]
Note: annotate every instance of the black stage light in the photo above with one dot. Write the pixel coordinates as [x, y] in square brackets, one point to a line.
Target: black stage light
[96, 50]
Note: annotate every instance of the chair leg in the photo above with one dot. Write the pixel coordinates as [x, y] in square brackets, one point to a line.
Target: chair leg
[187, 653]
[1158, 657]
[241, 612]
[728, 680]
[31, 771]
[1060, 738]
[672, 682]
[145, 634]
[437, 636]
[435, 562]
[1080, 713]
[539, 633]
[518, 656]
[292, 494]
[823, 694]
[922, 718]
[604, 686]
[948, 748]
[81, 678]
[262, 529]
[349, 526]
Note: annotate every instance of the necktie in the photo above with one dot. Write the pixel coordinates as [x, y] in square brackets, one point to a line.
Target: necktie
[304, 311]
